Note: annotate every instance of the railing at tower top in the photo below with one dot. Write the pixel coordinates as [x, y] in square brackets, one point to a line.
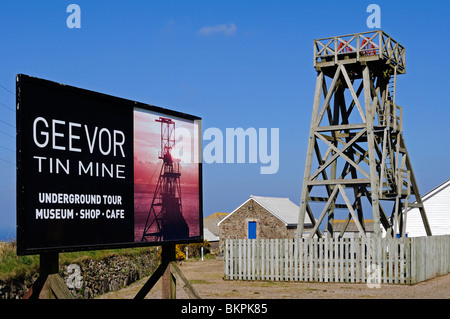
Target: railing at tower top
[355, 47]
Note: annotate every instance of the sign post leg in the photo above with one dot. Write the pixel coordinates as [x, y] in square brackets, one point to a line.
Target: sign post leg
[49, 284]
[167, 256]
[168, 281]
[167, 271]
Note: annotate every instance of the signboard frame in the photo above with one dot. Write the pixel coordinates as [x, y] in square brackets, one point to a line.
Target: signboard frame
[26, 99]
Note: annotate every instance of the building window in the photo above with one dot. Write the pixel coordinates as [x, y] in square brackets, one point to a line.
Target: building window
[251, 230]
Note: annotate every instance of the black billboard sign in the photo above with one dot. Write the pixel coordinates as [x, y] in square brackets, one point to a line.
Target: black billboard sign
[96, 171]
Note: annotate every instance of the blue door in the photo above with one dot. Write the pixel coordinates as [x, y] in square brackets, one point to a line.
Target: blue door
[251, 230]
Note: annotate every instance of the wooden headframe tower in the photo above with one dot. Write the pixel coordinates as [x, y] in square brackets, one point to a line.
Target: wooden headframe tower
[357, 158]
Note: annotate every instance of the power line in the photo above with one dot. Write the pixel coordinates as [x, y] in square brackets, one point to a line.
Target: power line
[7, 134]
[1, 86]
[7, 124]
[6, 161]
[8, 149]
[9, 108]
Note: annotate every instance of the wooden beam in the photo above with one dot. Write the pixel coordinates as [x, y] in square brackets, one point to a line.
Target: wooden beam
[322, 214]
[340, 127]
[352, 212]
[49, 284]
[352, 103]
[352, 91]
[157, 274]
[326, 103]
[344, 227]
[192, 293]
[168, 284]
[341, 154]
[359, 181]
[58, 287]
[371, 149]
[309, 155]
[415, 189]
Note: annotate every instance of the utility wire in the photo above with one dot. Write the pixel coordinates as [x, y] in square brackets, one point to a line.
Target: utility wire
[9, 108]
[1, 159]
[7, 124]
[1, 86]
[7, 134]
[8, 149]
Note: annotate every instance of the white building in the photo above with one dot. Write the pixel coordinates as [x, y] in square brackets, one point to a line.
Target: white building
[437, 208]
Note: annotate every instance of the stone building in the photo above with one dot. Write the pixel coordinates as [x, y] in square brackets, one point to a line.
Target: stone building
[211, 228]
[262, 217]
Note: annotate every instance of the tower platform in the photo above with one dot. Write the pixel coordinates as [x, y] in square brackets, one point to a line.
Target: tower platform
[354, 50]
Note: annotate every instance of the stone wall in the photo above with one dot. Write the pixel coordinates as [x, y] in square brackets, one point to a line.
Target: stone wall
[267, 225]
[98, 276]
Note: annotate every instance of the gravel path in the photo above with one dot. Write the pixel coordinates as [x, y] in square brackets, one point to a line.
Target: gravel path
[206, 277]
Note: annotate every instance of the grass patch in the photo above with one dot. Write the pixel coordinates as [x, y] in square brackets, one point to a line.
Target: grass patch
[199, 281]
[13, 266]
[78, 256]
[269, 283]
[272, 284]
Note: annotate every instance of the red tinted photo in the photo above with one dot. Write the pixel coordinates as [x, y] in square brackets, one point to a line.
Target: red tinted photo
[166, 178]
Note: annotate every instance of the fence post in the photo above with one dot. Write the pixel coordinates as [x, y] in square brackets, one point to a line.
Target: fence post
[391, 267]
[296, 255]
[388, 260]
[325, 259]
[225, 263]
[254, 259]
[363, 259]
[319, 259]
[230, 259]
[402, 260]
[356, 253]
[384, 252]
[312, 254]
[263, 258]
[244, 259]
[247, 259]
[408, 279]
[301, 260]
[378, 267]
[336, 259]
[272, 256]
[447, 253]
[287, 257]
[413, 260]
[239, 267]
[291, 259]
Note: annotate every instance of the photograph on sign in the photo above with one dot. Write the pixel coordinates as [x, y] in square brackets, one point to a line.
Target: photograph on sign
[95, 171]
[166, 178]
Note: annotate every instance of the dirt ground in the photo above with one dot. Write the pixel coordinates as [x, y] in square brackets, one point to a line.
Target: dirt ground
[207, 278]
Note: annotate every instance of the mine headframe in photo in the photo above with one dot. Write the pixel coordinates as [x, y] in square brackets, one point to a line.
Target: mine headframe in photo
[165, 219]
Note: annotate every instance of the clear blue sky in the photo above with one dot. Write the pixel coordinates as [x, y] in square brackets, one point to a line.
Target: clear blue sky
[258, 74]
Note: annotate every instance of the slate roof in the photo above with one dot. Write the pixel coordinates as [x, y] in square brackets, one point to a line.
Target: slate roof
[212, 221]
[209, 236]
[280, 207]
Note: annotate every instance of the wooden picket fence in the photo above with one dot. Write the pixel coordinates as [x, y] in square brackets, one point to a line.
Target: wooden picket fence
[371, 261]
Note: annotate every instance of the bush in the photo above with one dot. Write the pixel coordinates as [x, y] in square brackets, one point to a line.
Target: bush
[194, 250]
